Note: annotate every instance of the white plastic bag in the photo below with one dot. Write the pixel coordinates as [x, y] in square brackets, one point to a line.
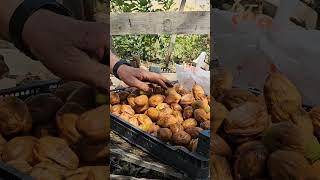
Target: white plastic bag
[249, 51]
[188, 75]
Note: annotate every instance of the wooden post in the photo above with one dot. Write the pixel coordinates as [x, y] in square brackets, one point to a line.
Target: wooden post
[173, 39]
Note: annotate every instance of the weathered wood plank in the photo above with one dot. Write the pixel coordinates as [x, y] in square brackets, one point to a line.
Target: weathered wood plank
[192, 22]
[131, 158]
[120, 177]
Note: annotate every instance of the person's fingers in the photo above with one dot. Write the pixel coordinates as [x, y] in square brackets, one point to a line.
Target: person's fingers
[165, 80]
[139, 84]
[159, 79]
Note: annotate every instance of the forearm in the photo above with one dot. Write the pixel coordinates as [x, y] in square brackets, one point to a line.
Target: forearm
[113, 60]
[7, 8]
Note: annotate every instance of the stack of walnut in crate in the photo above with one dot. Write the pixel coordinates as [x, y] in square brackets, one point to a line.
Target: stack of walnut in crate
[59, 135]
[266, 136]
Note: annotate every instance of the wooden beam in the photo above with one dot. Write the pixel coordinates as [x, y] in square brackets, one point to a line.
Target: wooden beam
[191, 22]
[173, 39]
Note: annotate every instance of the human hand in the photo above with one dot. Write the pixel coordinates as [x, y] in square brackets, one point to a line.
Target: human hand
[67, 47]
[135, 77]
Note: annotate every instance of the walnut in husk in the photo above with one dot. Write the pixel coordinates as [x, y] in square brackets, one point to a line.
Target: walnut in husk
[176, 128]
[153, 114]
[246, 122]
[187, 112]
[287, 165]
[193, 131]
[93, 124]
[127, 109]
[235, 97]
[176, 107]
[220, 168]
[116, 109]
[187, 99]
[201, 104]
[130, 100]
[156, 99]
[205, 125]
[172, 97]
[92, 152]
[123, 95]
[201, 115]
[164, 134]
[178, 116]
[180, 89]
[252, 155]
[53, 167]
[145, 123]
[189, 123]
[40, 173]
[165, 111]
[153, 129]
[281, 96]
[222, 80]
[166, 121]
[304, 123]
[141, 100]
[56, 150]
[14, 116]
[20, 148]
[43, 107]
[134, 120]
[125, 116]
[292, 137]
[181, 138]
[67, 127]
[141, 109]
[114, 98]
[162, 106]
[219, 113]
[79, 174]
[198, 92]
[219, 146]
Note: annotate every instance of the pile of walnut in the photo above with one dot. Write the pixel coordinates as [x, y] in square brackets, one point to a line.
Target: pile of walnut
[58, 136]
[267, 136]
[175, 115]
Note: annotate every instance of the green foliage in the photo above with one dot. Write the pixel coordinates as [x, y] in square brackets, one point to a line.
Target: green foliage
[153, 48]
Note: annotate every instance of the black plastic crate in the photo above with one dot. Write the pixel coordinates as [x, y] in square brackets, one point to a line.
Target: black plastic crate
[203, 147]
[193, 165]
[9, 173]
[6, 171]
[25, 91]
